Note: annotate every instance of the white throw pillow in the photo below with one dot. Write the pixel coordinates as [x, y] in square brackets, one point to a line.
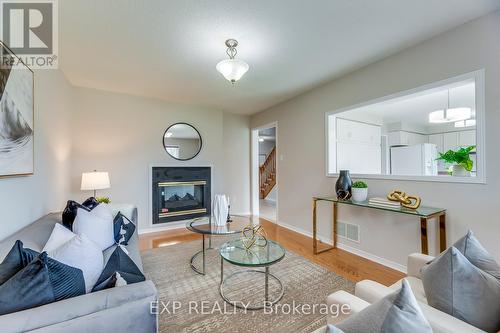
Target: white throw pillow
[82, 253]
[96, 225]
[60, 235]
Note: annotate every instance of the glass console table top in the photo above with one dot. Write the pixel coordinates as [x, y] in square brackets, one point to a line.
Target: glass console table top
[204, 225]
[235, 253]
[422, 211]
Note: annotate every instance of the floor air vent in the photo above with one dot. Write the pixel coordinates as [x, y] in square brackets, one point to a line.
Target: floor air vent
[348, 231]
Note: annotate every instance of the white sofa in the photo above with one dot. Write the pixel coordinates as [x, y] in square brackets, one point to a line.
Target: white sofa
[367, 292]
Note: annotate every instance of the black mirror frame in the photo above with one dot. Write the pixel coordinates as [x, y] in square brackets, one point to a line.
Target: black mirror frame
[182, 159]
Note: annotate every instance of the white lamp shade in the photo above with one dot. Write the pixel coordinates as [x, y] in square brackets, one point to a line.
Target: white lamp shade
[232, 69]
[450, 115]
[95, 181]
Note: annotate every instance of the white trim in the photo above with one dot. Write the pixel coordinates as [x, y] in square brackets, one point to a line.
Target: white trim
[479, 78]
[350, 249]
[174, 225]
[255, 168]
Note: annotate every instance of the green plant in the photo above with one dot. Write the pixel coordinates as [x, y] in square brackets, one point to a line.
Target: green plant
[359, 184]
[103, 200]
[459, 157]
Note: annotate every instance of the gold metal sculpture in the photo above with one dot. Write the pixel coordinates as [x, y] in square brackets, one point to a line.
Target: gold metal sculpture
[408, 201]
[253, 235]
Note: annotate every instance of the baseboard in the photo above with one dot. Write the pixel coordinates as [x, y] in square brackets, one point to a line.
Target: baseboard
[347, 248]
[172, 226]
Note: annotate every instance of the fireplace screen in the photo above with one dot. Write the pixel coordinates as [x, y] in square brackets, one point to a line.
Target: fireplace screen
[181, 198]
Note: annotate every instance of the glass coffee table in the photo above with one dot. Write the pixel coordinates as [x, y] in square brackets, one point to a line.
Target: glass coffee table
[234, 252]
[205, 227]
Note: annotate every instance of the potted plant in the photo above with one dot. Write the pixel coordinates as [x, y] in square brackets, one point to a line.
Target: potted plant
[460, 159]
[359, 191]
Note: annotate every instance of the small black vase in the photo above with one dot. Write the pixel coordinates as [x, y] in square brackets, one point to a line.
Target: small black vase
[343, 185]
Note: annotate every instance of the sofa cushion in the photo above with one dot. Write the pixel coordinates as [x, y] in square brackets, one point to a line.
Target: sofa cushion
[455, 286]
[17, 258]
[82, 253]
[395, 313]
[119, 262]
[470, 247]
[97, 225]
[123, 229]
[59, 236]
[70, 211]
[42, 281]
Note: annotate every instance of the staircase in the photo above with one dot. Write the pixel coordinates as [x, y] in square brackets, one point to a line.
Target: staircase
[267, 174]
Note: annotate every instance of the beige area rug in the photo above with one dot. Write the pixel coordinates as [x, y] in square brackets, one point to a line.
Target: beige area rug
[200, 308]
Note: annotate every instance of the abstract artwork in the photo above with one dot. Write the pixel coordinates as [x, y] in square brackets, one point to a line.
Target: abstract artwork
[16, 115]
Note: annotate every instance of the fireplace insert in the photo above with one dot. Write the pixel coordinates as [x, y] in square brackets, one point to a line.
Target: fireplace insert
[180, 193]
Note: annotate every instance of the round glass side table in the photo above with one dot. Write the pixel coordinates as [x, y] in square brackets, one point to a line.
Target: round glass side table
[205, 226]
[234, 252]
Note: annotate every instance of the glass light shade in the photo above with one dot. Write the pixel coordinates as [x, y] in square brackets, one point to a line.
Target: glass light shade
[95, 181]
[465, 123]
[232, 69]
[450, 115]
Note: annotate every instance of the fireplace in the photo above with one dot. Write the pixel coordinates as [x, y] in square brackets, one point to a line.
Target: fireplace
[180, 193]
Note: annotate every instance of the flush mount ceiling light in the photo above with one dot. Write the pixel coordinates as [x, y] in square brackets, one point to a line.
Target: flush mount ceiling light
[465, 123]
[232, 69]
[449, 115]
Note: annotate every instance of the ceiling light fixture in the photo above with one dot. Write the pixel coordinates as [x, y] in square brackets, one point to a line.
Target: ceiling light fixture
[449, 115]
[261, 140]
[465, 123]
[232, 69]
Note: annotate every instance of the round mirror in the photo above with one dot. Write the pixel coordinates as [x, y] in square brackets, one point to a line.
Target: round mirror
[182, 141]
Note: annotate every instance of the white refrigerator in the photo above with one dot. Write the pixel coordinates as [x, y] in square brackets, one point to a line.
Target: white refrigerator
[415, 160]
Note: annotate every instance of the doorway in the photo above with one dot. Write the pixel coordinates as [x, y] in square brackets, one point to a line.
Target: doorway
[265, 172]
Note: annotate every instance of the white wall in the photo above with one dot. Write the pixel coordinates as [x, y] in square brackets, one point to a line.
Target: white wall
[470, 47]
[24, 199]
[122, 134]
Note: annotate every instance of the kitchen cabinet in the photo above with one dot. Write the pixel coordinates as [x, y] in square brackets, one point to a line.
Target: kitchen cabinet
[437, 139]
[467, 138]
[354, 131]
[403, 138]
[450, 141]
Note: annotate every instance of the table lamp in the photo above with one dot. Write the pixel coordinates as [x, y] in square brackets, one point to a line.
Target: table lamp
[92, 181]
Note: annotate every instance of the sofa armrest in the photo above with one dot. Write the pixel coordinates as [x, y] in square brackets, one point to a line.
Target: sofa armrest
[415, 263]
[130, 211]
[372, 291]
[76, 308]
[342, 298]
[442, 322]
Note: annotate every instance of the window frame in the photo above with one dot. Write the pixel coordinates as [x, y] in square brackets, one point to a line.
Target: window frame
[479, 78]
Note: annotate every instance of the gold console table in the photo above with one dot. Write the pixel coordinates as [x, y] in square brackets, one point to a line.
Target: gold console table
[424, 213]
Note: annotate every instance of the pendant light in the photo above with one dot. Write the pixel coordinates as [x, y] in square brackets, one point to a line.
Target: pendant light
[449, 115]
[232, 69]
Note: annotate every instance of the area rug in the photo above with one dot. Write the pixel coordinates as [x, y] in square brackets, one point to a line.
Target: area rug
[189, 302]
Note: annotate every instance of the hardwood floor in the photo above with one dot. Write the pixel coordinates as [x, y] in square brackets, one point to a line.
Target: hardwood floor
[346, 264]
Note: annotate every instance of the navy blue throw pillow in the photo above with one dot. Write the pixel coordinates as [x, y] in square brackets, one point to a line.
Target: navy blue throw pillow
[123, 229]
[119, 262]
[42, 281]
[69, 212]
[17, 258]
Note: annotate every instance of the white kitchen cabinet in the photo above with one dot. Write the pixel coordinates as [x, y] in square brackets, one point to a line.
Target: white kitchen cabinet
[467, 138]
[354, 131]
[358, 147]
[403, 138]
[450, 141]
[437, 139]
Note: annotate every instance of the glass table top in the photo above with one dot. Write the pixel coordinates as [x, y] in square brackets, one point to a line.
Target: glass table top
[205, 225]
[422, 211]
[235, 253]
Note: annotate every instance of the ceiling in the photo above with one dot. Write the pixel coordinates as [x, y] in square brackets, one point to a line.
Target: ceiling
[414, 109]
[169, 49]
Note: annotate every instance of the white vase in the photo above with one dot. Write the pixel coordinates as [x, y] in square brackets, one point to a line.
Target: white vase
[359, 194]
[459, 171]
[220, 209]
